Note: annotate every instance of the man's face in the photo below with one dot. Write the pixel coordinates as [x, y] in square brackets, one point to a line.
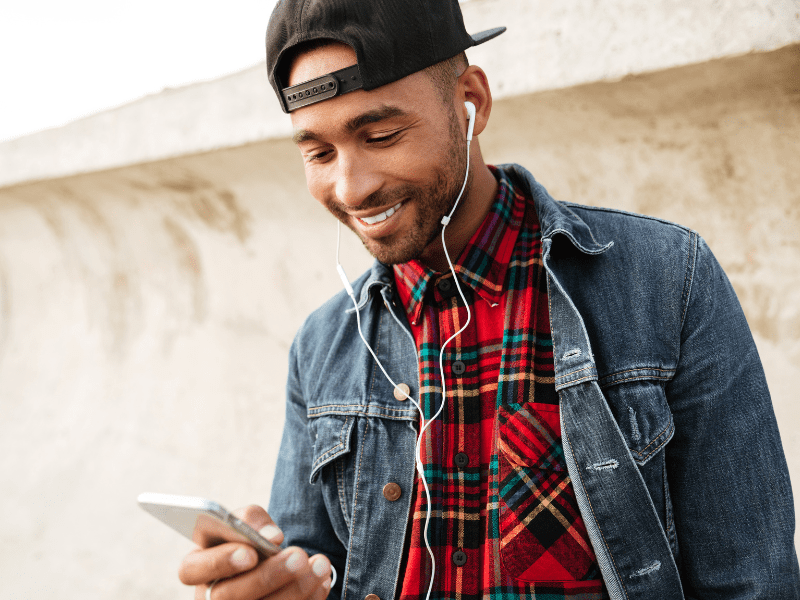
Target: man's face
[388, 163]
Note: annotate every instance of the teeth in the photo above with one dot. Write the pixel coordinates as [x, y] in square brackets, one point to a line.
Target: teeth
[381, 217]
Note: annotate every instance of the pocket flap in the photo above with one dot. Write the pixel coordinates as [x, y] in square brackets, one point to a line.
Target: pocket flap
[331, 440]
[643, 416]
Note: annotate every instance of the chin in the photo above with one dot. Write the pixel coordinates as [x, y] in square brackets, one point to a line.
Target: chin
[401, 251]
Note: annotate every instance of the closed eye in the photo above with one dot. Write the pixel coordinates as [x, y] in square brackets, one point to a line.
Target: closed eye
[384, 138]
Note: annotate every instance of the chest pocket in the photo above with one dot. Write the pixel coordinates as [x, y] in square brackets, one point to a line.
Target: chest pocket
[645, 420]
[331, 465]
[542, 536]
[643, 415]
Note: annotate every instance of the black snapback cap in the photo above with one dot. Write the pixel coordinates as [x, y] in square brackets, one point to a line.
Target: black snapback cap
[391, 39]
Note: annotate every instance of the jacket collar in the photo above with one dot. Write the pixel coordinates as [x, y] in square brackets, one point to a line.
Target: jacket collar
[556, 217]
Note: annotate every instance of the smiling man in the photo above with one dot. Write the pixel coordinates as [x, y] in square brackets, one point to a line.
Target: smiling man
[523, 397]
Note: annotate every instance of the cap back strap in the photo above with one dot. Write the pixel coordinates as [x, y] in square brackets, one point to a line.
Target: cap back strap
[322, 88]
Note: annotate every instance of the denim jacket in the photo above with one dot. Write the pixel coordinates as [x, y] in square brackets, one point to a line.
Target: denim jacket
[668, 430]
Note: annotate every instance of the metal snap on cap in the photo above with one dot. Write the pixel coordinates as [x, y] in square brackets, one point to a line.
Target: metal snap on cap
[392, 491]
[402, 391]
[371, 597]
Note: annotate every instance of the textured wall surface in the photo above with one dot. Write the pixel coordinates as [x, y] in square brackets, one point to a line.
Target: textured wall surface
[146, 312]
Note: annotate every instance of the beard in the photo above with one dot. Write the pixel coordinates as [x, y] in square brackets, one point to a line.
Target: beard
[432, 201]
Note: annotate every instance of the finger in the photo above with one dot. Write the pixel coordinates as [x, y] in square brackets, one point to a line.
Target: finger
[321, 567]
[312, 583]
[259, 519]
[226, 560]
[200, 591]
[288, 574]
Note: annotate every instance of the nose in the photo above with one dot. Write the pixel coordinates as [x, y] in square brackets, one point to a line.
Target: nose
[357, 178]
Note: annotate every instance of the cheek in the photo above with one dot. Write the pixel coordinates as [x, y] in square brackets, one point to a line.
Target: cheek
[316, 183]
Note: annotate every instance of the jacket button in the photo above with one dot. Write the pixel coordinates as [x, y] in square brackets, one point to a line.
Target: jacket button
[461, 460]
[459, 558]
[391, 491]
[402, 391]
[371, 597]
[459, 367]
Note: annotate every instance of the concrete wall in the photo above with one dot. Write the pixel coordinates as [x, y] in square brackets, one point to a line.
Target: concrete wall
[146, 311]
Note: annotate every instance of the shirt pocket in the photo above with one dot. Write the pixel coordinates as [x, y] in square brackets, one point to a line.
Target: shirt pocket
[542, 535]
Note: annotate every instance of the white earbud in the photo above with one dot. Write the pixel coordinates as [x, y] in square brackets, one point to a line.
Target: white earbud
[471, 110]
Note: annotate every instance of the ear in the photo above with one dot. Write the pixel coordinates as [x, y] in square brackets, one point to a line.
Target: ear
[474, 87]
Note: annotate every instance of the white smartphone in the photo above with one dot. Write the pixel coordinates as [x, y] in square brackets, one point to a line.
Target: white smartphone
[204, 521]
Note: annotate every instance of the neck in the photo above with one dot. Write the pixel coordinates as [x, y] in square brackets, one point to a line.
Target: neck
[469, 215]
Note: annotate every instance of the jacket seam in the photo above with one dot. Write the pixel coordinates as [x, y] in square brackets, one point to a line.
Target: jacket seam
[591, 233]
[608, 384]
[330, 451]
[587, 378]
[665, 434]
[617, 211]
[342, 498]
[589, 368]
[639, 369]
[377, 349]
[402, 416]
[340, 479]
[688, 279]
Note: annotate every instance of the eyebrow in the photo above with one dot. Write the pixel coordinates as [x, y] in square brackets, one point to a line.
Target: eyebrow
[367, 118]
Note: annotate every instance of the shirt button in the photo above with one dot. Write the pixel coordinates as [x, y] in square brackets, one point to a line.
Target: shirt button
[371, 597]
[392, 491]
[461, 460]
[447, 287]
[459, 367]
[459, 558]
[402, 391]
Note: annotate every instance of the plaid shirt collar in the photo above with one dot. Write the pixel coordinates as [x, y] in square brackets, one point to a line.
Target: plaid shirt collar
[484, 261]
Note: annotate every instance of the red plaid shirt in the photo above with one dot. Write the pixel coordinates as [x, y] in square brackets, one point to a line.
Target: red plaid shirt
[505, 522]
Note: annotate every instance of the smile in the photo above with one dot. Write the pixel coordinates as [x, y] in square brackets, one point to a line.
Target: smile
[382, 216]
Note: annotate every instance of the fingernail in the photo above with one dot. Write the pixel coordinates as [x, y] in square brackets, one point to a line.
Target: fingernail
[294, 563]
[320, 567]
[241, 558]
[271, 532]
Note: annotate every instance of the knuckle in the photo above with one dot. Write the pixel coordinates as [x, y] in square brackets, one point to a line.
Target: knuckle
[268, 575]
[187, 568]
[253, 515]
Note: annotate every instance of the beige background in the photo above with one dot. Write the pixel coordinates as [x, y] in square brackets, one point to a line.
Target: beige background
[147, 302]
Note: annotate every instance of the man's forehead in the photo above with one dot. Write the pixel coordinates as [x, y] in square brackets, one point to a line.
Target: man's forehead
[320, 61]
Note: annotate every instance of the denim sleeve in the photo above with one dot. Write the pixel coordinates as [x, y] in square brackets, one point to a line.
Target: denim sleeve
[727, 473]
[296, 505]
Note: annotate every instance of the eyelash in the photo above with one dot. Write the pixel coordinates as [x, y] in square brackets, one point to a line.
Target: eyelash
[377, 140]
[384, 138]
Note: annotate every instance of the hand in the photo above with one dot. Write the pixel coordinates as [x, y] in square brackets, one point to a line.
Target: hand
[289, 575]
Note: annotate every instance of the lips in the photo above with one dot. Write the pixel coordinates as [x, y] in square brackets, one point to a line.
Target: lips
[380, 217]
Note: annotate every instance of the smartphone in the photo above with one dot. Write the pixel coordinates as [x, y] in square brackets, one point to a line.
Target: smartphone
[204, 521]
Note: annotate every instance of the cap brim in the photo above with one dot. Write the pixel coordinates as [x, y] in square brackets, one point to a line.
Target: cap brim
[485, 36]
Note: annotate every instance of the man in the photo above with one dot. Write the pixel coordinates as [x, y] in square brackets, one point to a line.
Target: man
[595, 421]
